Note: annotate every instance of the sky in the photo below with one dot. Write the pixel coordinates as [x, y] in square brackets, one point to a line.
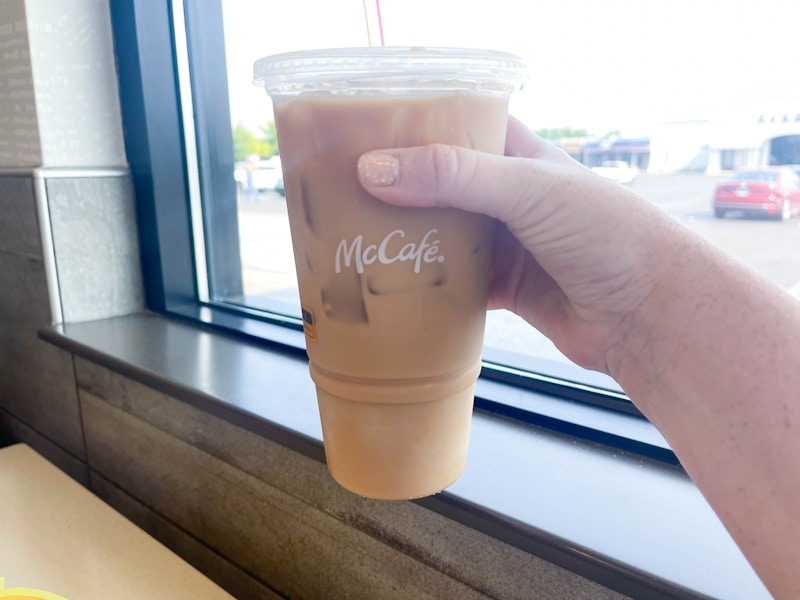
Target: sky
[601, 65]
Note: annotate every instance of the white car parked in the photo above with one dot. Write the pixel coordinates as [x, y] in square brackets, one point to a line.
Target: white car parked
[617, 170]
[266, 174]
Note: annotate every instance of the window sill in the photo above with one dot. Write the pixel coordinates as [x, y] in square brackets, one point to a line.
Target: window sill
[636, 525]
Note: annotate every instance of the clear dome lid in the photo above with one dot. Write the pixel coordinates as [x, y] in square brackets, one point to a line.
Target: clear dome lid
[386, 69]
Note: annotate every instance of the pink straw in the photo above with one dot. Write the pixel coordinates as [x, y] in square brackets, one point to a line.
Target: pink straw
[380, 23]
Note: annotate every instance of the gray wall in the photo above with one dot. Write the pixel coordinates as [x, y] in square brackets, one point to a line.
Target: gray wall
[271, 526]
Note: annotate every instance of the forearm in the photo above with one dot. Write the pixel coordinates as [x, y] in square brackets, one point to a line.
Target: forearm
[712, 358]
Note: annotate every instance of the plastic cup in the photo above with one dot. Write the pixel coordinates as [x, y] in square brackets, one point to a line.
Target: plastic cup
[393, 299]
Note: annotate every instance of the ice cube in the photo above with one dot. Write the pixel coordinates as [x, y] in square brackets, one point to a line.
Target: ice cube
[342, 298]
[384, 284]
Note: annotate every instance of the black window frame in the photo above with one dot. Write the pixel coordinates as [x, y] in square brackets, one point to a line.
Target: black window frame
[156, 149]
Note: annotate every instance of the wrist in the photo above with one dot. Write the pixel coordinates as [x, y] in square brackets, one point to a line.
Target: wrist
[650, 337]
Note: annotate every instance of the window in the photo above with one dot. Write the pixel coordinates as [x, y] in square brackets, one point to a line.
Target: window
[608, 83]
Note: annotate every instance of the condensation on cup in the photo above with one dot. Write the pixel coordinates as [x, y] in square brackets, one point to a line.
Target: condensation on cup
[393, 299]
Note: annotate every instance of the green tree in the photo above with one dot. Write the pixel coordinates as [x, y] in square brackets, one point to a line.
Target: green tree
[264, 143]
[270, 137]
[558, 133]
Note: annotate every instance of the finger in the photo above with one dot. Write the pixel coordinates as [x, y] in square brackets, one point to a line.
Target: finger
[451, 176]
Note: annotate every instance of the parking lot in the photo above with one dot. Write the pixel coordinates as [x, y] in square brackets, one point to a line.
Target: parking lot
[770, 247]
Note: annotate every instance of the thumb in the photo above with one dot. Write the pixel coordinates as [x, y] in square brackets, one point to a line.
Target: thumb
[447, 176]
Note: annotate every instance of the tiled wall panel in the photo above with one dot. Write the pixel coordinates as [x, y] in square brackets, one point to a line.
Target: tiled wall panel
[20, 144]
[19, 229]
[235, 580]
[96, 246]
[12, 430]
[37, 383]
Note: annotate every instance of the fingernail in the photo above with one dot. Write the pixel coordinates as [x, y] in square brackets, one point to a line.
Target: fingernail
[379, 169]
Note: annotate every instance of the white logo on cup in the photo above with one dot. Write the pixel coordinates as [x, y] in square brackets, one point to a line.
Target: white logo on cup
[427, 251]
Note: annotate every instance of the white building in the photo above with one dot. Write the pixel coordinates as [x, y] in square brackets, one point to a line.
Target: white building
[767, 132]
[744, 138]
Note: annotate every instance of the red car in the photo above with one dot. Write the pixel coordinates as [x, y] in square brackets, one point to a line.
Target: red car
[771, 191]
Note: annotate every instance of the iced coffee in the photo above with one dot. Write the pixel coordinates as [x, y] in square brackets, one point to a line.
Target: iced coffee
[393, 299]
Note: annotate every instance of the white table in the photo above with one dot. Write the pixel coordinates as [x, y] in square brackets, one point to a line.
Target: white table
[58, 537]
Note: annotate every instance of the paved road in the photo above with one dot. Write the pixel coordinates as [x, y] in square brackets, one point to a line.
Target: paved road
[266, 245]
[770, 247]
